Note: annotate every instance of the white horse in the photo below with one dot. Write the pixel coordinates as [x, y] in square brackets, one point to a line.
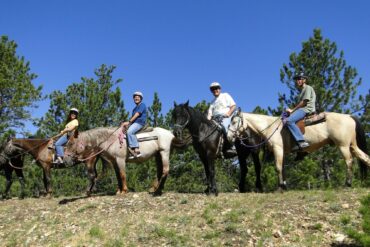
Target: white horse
[105, 142]
[342, 130]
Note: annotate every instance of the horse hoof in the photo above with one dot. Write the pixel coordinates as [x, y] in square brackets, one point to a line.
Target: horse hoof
[156, 193]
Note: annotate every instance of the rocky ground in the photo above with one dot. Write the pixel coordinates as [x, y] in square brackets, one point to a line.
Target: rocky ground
[295, 218]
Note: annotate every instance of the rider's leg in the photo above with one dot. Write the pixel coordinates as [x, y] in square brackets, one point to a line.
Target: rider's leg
[131, 137]
[59, 146]
[291, 124]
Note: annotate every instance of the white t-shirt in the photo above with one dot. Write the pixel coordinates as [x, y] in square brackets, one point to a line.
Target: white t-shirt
[220, 105]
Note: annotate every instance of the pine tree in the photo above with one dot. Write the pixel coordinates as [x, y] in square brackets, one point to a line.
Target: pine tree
[155, 118]
[18, 95]
[99, 103]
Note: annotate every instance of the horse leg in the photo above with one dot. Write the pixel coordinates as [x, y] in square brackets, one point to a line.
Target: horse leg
[242, 156]
[346, 152]
[92, 174]
[163, 169]
[20, 176]
[9, 181]
[206, 170]
[212, 174]
[279, 158]
[47, 180]
[121, 176]
[257, 168]
[361, 155]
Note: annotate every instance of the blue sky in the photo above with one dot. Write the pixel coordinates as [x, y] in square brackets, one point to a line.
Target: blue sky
[177, 48]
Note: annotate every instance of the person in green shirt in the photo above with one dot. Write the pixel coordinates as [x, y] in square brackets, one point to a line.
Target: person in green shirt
[305, 106]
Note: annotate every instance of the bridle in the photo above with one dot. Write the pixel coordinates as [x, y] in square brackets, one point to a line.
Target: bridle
[237, 130]
[181, 127]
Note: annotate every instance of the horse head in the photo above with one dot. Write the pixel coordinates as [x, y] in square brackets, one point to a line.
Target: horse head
[236, 127]
[180, 118]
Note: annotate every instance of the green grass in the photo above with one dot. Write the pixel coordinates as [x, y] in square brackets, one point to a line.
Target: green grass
[96, 232]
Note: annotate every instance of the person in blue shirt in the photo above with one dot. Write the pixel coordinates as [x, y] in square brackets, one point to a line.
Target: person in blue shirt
[136, 123]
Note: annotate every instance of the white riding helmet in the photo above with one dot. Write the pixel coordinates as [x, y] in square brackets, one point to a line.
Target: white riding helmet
[73, 110]
[215, 84]
[138, 94]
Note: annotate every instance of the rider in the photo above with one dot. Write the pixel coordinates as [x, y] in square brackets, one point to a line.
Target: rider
[305, 106]
[222, 105]
[136, 123]
[71, 126]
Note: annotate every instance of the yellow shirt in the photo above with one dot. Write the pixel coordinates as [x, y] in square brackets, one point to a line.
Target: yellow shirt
[72, 124]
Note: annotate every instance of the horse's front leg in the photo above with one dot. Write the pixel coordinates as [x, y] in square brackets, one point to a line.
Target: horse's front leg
[211, 157]
[9, 181]
[91, 169]
[279, 158]
[163, 168]
[242, 155]
[120, 169]
[204, 160]
[257, 169]
[47, 178]
[20, 176]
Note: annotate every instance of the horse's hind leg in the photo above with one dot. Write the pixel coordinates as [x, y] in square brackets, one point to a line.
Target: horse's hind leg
[361, 155]
[345, 150]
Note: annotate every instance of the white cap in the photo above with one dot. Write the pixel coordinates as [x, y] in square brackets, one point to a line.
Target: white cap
[138, 94]
[73, 109]
[215, 84]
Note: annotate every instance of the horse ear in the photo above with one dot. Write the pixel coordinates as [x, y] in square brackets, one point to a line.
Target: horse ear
[174, 103]
[187, 103]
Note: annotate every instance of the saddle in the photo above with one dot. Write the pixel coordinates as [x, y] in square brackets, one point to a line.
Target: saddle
[146, 128]
[311, 119]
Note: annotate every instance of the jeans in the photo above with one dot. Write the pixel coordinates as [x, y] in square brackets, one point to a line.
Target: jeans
[291, 123]
[131, 137]
[59, 145]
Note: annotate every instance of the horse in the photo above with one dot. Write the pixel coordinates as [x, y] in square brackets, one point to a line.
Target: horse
[106, 142]
[40, 151]
[206, 137]
[11, 159]
[342, 130]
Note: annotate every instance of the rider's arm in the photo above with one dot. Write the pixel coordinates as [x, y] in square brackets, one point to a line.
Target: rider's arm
[230, 112]
[301, 104]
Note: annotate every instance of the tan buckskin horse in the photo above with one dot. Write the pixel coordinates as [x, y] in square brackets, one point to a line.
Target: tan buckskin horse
[342, 130]
[105, 142]
[38, 149]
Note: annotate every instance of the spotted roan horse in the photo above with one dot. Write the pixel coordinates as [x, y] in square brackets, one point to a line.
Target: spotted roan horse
[206, 138]
[341, 130]
[105, 141]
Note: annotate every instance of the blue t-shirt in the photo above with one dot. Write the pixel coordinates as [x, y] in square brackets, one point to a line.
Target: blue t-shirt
[140, 108]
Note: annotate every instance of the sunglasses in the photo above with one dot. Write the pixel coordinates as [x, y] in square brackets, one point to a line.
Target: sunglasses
[214, 88]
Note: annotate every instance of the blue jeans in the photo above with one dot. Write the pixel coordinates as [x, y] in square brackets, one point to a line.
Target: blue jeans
[59, 145]
[131, 137]
[291, 123]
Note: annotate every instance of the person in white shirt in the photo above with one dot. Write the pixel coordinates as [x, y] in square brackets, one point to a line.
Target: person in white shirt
[222, 106]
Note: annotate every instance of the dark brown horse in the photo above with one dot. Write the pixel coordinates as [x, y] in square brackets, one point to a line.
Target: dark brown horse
[11, 159]
[38, 149]
[206, 141]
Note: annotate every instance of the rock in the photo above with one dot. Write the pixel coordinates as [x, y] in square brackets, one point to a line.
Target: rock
[339, 237]
[277, 234]
[345, 205]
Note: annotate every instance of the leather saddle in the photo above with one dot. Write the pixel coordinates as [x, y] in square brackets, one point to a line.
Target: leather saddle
[145, 129]
[311, 119]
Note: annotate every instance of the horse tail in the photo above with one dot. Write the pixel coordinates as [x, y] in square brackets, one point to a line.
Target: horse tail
[361, 143]
[181, 144]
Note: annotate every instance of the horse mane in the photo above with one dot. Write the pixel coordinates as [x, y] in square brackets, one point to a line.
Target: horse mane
[199, 116]
[99, 134]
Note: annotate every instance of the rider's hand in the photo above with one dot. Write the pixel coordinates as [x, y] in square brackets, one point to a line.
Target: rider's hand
[288, 110]
[226, 115]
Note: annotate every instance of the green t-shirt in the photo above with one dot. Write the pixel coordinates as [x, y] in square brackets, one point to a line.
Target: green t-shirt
[308, 94]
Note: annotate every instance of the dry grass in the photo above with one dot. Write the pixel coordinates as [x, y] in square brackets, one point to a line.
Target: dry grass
[295, 218]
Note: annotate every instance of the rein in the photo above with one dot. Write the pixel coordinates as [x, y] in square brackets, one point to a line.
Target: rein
[265, 140]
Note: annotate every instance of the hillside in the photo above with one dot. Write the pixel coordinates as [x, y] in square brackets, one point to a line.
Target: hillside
[295, 218]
